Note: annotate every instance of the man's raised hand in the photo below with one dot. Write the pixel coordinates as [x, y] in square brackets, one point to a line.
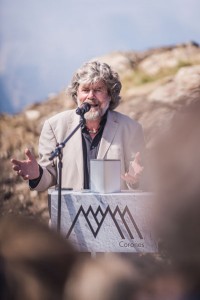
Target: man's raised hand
[134, 173]
[28, 169]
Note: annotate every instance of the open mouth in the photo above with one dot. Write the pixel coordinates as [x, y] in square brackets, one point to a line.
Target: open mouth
[94, 105]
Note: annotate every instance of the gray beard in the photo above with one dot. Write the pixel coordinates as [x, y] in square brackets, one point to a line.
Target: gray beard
[92, 116]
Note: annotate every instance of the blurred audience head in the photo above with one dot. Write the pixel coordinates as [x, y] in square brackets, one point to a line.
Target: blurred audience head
[107, 277]
[35, 262]
[131, 277]
[176, 159]
[177, 185]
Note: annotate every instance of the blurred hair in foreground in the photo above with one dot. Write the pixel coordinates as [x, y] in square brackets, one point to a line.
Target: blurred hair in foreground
[35, 262]
[176, 165]
[106, 277]
[176, 154]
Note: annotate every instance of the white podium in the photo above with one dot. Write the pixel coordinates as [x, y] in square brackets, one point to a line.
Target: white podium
[117, 222]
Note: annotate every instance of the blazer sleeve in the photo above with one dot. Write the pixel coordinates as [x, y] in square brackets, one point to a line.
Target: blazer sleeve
[47, 144]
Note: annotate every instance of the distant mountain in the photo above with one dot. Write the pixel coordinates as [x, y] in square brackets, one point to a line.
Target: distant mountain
[23, 86]
[5, 103]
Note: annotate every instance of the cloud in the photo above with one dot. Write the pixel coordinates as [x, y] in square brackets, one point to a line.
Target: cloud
[54, 37]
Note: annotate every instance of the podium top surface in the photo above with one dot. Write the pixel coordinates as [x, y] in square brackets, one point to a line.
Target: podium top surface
[54, 191]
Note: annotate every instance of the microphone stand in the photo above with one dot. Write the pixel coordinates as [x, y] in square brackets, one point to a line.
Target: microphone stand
[58, 153]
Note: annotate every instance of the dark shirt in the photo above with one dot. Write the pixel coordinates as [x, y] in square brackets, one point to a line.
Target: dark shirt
[90, 151]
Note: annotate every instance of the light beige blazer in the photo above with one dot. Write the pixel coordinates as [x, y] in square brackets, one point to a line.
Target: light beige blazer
[122, 138]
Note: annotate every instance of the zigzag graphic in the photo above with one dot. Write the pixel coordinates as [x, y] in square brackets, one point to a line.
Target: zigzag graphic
[104, 214]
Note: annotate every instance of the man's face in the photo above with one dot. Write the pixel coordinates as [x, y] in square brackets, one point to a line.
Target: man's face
[95, 94]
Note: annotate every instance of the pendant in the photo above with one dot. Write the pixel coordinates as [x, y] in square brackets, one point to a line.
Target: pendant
[94, 131]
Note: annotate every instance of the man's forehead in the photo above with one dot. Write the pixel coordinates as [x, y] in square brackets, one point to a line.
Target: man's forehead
[98, 84]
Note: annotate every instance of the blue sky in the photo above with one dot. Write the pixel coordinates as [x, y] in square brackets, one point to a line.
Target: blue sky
[42, 42]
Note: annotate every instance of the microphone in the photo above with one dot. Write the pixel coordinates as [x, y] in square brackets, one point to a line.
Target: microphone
[85, 107]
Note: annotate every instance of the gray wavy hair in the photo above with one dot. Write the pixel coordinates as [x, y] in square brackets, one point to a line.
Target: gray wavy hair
[94, 71]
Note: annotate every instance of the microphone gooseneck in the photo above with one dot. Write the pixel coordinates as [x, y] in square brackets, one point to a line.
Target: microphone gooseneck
[85, 107]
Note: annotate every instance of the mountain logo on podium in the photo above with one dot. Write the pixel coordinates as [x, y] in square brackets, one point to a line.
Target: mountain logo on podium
[99, 216]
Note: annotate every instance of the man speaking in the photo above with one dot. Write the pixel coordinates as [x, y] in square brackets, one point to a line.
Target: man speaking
[107, 134]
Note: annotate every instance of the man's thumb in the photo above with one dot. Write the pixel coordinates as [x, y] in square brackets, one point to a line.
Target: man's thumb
[137, 157]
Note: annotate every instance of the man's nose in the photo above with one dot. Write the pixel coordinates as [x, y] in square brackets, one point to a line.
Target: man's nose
[91, 93]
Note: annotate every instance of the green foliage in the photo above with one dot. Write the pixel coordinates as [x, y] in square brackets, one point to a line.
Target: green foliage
[139, 77]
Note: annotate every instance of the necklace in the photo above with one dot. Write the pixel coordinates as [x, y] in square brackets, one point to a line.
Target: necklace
[93, 131]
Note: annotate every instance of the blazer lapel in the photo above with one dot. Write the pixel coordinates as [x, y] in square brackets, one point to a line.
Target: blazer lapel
[77, 153]
[108, 135]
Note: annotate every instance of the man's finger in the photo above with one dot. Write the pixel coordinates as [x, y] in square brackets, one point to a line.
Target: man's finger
[20, 173]
[129, 179]
[15, 161]
[29, 154]
[137, 157]
[25, 177]
[16, 168]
